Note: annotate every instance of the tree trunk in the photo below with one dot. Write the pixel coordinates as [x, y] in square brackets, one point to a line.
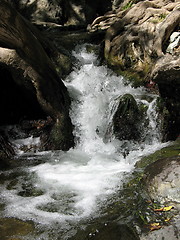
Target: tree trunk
[23, 55]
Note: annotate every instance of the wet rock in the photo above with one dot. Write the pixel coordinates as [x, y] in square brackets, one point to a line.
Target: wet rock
[114, 231]
[126, 120]
[171, 151]
[161, 181]
[166, 74]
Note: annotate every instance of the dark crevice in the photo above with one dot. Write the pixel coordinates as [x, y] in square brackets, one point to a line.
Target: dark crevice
[16, 102]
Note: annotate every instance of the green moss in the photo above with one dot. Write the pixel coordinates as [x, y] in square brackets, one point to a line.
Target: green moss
[162, 16]
[131, 74]
[147, 67]
[169, 151]
[131, 77]
[159, 18]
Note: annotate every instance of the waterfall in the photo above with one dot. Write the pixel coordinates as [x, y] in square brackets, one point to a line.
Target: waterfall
[71, 186]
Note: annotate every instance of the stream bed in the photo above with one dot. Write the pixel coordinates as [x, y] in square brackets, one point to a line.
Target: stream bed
[52, 195]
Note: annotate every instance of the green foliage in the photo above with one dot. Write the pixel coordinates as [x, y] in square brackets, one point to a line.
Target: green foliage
[162, 16]
[128, 5]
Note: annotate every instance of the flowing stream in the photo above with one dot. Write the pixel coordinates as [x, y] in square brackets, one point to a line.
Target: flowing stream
[68, 187]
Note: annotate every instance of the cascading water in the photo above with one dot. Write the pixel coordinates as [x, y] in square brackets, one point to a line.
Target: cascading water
[71, 186]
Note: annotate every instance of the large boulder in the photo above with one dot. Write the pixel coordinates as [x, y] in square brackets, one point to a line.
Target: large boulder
[138, 34]
[23, 56]
[127, 119]
[162, 181]
[158, 176]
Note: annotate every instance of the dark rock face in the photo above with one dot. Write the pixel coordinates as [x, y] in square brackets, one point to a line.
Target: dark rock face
[166, 74]
[62, 12]
[126, 121]
[22, 54]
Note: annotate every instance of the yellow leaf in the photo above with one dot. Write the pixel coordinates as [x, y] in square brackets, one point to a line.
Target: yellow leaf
[154, 226]
[164, 209]
[158, 210]
[167, 220]
[167, 208]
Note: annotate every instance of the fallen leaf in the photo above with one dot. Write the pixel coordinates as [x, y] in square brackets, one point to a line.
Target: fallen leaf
[167, 208]
[158, 210]
[167, 220]
[164, 209]
[154, 226]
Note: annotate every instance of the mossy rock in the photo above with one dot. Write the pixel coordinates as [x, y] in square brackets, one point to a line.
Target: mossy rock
[136, 73]
[170, 151]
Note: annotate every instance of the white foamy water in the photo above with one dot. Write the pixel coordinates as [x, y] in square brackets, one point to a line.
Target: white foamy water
[74, 184]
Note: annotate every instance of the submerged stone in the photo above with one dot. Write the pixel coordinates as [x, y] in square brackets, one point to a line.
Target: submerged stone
[114, 231]
[11, 228]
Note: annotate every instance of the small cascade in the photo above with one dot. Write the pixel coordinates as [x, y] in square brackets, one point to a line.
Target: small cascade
[70, 186]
